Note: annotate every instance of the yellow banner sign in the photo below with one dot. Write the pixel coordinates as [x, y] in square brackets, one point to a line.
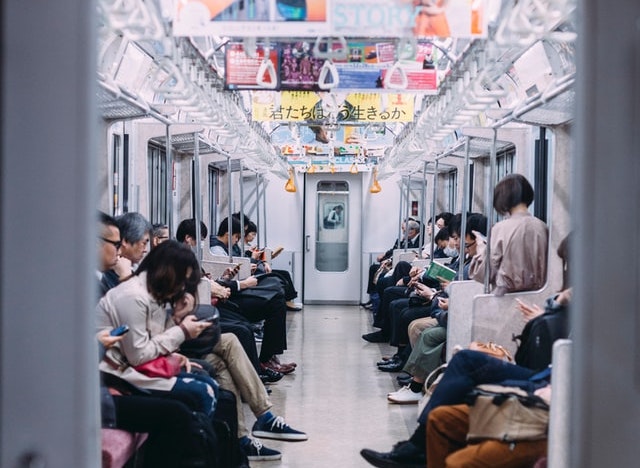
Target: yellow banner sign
[303, 106]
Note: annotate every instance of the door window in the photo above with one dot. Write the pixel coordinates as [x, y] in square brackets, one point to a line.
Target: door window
[332, 233]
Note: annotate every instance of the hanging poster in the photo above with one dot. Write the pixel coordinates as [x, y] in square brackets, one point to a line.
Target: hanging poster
[280, 18]
[299, 106]
[244, 72]
[421, 18]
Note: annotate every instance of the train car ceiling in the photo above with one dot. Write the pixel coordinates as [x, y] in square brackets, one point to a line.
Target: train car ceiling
[427, 90]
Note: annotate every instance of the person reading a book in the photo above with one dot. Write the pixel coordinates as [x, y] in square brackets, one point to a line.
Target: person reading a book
[518, 258]
[403, 312]
[426, 350]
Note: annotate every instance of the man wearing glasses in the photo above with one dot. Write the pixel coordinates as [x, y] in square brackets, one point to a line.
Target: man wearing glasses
[135, 232]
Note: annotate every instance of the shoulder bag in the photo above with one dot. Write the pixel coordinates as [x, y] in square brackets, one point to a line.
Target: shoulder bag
[162, 366]
[508, 414]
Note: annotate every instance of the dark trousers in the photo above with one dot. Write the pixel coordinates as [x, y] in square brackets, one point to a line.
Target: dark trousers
[273, 311]
[390, 294]
[290, 292]
[165, 420]
[400, 317]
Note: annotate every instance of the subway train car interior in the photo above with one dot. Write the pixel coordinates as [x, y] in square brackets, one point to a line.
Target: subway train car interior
[384, 196]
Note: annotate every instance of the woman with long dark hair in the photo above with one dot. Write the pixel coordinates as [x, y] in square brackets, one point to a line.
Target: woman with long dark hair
[168, 276]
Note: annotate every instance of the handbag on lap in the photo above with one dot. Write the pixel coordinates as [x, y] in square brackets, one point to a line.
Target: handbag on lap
[508, 414]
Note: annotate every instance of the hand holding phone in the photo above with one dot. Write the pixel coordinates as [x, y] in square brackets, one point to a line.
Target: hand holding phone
[121, 330]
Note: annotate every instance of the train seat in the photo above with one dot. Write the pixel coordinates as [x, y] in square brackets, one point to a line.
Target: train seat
[459, 325]
[495, 318]
[119, 446]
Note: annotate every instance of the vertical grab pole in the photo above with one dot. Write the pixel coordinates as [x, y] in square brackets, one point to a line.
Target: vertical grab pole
[408, 211]
[169, 177]
[241, 211]
[465, 203]
[230, 208]
[490, 210]
[399, 243]
[263, 196]
[433, 208]
[196, 188]
[259, 237]
[423, 211]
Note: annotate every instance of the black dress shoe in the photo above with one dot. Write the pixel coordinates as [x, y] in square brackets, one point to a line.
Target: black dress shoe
[386, 361]
[395, 366]
[366, 305]
[403, 455]
[376, 337]
[269, 375]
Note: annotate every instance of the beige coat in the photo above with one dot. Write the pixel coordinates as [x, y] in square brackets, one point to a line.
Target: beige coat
[518, 255]
[152, 332]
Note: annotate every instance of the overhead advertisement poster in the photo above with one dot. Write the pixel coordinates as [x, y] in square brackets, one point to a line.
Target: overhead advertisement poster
[304, 106]
[362, 18]
[280, 18]
[243, 71]
[402, 18]
[292, 66]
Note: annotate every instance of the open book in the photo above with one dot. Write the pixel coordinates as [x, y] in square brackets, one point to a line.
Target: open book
[277, 251]
[437, 271]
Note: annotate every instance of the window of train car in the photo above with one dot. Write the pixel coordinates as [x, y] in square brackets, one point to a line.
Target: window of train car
[157, 161]
[213, 183]
[451, 185]
[332, 236]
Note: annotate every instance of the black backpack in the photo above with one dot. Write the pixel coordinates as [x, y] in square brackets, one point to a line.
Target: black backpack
[203, 448]
[538, 336]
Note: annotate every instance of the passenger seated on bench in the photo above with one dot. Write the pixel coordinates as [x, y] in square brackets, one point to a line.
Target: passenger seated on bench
[410, 230]
[159, 234]
[518, 243]
[396, 290]
[235, 372]
[164, 277]
[258, 301]
[136, 232]
[442, 221]
[426, 355]
[467, 369]
[447, 446]
[231, 320]
[263, 267]
[165, 421]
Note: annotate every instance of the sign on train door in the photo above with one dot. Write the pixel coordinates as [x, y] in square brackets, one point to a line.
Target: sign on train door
[332, 247]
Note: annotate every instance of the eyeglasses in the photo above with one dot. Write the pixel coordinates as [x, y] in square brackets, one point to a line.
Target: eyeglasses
[116, 244]
[469, 245]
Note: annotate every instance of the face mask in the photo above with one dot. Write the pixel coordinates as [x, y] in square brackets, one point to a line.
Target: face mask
[450, 252]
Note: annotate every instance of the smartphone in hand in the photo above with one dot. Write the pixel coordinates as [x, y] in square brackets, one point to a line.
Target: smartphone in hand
[121, 330]
[212, 318]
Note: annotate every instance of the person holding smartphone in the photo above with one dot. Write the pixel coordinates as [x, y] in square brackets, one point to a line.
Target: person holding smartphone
[166, 422]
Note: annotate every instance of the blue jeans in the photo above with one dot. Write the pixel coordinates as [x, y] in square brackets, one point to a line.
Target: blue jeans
[466, 370]
[202, 389]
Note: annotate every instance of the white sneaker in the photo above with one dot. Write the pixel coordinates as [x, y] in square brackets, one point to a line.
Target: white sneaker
[404, 396]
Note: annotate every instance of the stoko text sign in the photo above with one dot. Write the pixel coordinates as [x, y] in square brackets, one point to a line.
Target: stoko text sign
[372, 17]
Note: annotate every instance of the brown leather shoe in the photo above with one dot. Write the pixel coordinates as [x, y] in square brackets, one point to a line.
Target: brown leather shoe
[274, 366]
[276, 359]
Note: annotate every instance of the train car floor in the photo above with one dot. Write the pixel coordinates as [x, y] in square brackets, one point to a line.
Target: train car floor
[336, 395]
